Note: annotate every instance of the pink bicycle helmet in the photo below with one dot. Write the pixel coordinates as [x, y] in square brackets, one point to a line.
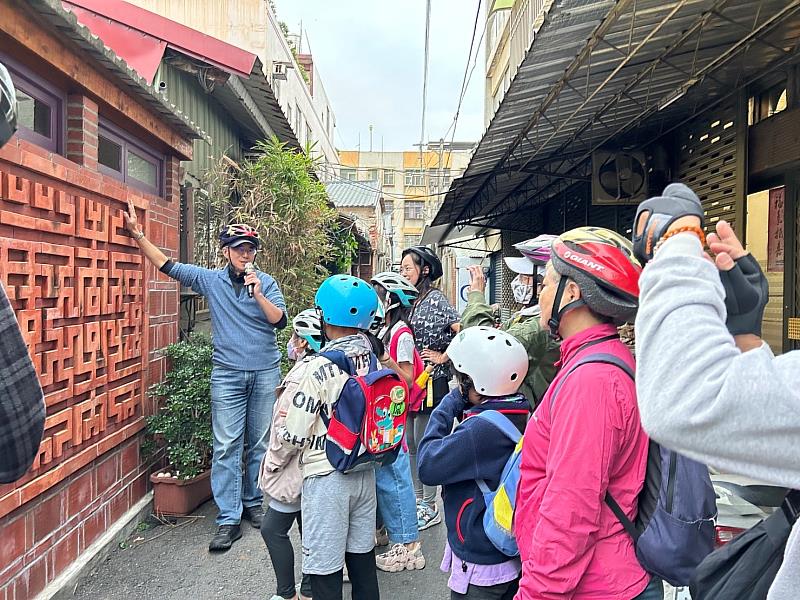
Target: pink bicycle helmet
[537, 249]
[535, 253]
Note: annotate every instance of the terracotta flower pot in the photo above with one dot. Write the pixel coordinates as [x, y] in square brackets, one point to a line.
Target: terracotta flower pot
[178, 497]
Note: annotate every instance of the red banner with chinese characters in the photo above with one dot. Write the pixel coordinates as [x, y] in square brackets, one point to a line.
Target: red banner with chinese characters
[775, 239]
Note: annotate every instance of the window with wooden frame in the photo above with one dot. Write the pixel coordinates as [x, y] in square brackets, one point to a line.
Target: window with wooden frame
[40, 110]
[127, 159]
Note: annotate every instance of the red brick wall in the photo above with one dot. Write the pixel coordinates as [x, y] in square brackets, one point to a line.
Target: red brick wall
[94, 316]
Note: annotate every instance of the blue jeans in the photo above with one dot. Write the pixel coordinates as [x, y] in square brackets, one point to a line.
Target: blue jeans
[397, 503]
[241, 414]
[653, 591]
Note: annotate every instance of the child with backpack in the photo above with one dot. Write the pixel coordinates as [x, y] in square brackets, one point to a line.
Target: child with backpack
[469, 460]
[338, 507]
[585, 441]
[397, 505]
[281, 476]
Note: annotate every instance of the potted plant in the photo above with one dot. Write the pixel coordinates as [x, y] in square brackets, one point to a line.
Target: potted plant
[182, 428]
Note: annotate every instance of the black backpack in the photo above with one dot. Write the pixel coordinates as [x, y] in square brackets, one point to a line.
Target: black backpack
[745, 568]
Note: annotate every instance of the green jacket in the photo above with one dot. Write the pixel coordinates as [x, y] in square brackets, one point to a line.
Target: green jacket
[543, 351]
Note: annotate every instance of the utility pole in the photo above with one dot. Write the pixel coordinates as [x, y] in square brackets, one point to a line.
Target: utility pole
[370, 138]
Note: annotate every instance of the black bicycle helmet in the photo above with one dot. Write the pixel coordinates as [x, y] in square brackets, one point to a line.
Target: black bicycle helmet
[428, 257]
[8, 106]
[238, 233]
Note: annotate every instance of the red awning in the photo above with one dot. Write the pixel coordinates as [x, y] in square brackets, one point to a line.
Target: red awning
[140, 37]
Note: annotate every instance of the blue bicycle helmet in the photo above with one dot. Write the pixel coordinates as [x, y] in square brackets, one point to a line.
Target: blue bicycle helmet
[346, 301]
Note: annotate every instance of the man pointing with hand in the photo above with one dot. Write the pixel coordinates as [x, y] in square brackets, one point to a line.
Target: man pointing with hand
[246, 367]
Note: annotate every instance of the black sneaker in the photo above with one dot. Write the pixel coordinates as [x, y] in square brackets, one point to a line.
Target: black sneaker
[226, 535]
[254, 514]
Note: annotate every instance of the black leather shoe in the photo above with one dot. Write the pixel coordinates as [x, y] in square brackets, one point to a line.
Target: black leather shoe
[226, 535]
[254, 514]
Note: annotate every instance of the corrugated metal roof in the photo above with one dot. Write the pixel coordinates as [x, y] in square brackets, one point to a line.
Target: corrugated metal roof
[603, 70]
[350, 194]
[66, 24]
[114, 19]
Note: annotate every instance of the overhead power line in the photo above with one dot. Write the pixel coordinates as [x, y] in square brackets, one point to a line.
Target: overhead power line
[425, 75]
[467, 70]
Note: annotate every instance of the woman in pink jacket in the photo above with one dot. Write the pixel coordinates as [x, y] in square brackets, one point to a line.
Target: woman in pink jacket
[588, 441]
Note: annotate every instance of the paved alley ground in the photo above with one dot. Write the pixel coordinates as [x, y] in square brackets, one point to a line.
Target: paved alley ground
[172, 562]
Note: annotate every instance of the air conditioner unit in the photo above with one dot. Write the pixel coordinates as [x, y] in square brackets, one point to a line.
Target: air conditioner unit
[619, 177]
[279, 70]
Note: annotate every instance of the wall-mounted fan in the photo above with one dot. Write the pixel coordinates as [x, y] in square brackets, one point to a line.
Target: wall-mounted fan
[619, 177]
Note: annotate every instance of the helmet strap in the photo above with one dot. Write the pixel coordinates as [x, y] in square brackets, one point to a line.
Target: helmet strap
[322, 327]
[556, 314]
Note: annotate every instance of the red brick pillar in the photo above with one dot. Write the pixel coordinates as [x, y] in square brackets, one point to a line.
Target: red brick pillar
[82, 130]
[172, 181]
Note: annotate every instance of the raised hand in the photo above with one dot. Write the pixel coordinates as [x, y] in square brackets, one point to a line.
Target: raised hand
[678, 206]
[131, 220]
[477, 281]
[746, 286]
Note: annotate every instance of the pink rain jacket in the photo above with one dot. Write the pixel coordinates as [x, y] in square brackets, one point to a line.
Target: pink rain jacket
[587, 441]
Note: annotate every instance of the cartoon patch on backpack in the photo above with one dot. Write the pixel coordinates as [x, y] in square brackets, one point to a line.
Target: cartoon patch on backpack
[388, 429]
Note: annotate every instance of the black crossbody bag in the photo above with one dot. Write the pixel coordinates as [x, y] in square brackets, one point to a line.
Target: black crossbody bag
[745, 568]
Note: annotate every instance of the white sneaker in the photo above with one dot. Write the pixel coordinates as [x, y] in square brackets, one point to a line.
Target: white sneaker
[401, 557]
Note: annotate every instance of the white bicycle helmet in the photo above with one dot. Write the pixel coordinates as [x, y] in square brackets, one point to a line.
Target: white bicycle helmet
[494, 360]
[396, 284]
[306, 325]
[8, 106]
[379, 320]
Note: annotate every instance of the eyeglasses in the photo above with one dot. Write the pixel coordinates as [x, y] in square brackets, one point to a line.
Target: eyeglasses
[244, 249]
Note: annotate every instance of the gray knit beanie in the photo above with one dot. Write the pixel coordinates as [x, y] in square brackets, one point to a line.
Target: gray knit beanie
[598, 298]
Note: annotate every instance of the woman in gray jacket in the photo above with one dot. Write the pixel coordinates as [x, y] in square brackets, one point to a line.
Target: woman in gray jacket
[708, 386]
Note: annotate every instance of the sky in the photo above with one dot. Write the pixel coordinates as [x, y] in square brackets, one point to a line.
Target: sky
[370, 55]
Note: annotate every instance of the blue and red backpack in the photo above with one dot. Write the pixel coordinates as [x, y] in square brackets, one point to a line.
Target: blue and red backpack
[368, 419]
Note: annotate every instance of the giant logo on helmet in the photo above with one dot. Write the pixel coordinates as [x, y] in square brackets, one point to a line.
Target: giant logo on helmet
[582, 260]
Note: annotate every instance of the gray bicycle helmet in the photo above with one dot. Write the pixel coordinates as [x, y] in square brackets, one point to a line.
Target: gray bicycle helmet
[396, 284]
[8, 106]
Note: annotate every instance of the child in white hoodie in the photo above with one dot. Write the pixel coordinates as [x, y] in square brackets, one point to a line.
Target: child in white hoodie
[338, 508]
[281, 477]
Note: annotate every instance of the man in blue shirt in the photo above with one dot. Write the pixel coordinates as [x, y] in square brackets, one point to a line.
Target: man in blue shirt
[246, 367]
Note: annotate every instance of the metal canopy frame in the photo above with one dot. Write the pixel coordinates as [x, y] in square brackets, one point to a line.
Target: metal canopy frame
[647, 67]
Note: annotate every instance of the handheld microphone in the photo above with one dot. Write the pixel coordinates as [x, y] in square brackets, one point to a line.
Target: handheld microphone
[249, 268]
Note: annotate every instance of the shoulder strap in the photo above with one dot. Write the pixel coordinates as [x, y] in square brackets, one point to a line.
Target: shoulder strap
[609, 359]
[502, 422]
[599, 357]
[791, 506]
[395, 340]
[340, 359]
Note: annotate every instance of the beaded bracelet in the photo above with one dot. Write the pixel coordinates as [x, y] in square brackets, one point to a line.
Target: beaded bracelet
[688, 229]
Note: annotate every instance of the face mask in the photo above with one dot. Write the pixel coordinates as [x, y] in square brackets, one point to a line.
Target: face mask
[293, 353]
[522, 292]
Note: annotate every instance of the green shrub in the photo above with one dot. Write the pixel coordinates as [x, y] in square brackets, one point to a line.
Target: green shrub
[182, 425]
